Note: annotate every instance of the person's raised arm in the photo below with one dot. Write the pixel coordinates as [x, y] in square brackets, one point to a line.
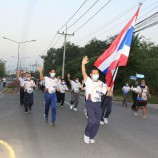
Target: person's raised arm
[68, 77]
[84, 62]
[41, 73]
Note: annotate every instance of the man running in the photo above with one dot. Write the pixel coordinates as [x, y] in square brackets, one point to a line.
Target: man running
[143, 94]
[62, 89]
[28, 86]
[75, 92]
[50, 94]
[134, 95]
[106, 107]
[21, 80]
[94, 90]
[125, 90]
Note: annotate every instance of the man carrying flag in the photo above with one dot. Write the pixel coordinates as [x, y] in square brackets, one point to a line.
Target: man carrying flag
[94, 89]
[116, 55]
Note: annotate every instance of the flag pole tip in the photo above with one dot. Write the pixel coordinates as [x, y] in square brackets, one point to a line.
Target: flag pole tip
[140, 3]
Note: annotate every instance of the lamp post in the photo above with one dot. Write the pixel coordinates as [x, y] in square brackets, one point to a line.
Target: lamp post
[19, 43]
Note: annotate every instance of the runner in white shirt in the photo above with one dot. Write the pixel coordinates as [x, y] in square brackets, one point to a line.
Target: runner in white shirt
[51, 87]
[4, 81]
[94, 90]
[126, 89]
[21, 80]
[28, 86]
[62, 88]
[75, 92]
[143, 95]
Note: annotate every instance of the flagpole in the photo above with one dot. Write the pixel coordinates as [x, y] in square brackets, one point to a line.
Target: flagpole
[110, 83]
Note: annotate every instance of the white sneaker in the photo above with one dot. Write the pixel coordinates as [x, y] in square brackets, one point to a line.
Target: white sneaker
[144, 116]
[101, 123]
[71, 107]
[86, 139]
[136, 114]
[105, 120]
[75, 109]
[92, 141]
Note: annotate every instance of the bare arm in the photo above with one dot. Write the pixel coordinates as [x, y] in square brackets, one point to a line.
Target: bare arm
[41, 73]
[84, 62]
[68, 77]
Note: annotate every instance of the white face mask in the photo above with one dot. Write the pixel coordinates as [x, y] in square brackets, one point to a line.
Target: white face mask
[52, 74]
[95, 77]
[76, 81]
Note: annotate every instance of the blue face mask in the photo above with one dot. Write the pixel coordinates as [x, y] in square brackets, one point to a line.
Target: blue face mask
[95, 77]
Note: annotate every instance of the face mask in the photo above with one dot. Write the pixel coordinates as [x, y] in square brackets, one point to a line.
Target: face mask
[52, 74]
[28, 78]
[95, 77]
[76, 81]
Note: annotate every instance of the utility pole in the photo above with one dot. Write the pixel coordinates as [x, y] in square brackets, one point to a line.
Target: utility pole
[65, 35]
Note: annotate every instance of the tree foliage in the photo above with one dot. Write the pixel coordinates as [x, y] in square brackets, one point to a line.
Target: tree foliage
[2, 68]
[143, 59]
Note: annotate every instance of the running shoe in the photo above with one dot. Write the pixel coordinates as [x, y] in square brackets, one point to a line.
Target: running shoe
[86, 139]
[101, 123]
[71, 107]
[52, 124]
[105, 120]
[92, 141]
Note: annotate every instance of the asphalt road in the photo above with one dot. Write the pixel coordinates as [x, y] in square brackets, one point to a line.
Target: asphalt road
[126, 136]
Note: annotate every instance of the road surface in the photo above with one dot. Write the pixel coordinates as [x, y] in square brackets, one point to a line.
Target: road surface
[126, 136]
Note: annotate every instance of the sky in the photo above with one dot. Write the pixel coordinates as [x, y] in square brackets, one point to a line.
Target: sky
[25, 20]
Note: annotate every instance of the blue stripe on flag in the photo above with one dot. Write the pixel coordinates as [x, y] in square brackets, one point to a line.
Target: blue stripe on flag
[106, 70]
[127, 38]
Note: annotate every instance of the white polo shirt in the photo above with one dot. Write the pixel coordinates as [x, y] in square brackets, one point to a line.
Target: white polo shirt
[28, 86]
[143, 92]
[75, 86]
[62, 88]
[21, 80]
[51, 84]
[94, 90]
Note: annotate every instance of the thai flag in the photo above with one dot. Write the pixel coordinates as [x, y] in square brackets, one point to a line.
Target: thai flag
[118, 52]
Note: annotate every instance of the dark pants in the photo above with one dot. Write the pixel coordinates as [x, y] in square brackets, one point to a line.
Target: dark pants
[4, 84]
[28, 101]
[75, 99]
[42, 88]
[134, 96]
[107, 105]
[62, 98]
[50, 100]
[125, 99]
[94, 116]
[58, 96]
[21, 96]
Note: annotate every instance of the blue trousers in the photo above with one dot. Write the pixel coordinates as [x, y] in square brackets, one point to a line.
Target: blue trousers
[107, 105]
[94, 116]
[50, 100]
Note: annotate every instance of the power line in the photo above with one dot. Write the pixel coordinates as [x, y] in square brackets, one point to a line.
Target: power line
[63, 26]
[113, 20]
[93, 15]
[124, 14]
[74, 14]
[84, 14]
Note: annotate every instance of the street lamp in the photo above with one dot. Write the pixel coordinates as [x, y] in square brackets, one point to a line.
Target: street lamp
[19, 43]
[20, 59]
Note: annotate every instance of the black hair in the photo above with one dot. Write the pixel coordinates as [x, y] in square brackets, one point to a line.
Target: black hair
[51, 69]
[62, 79]
[94, 69]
